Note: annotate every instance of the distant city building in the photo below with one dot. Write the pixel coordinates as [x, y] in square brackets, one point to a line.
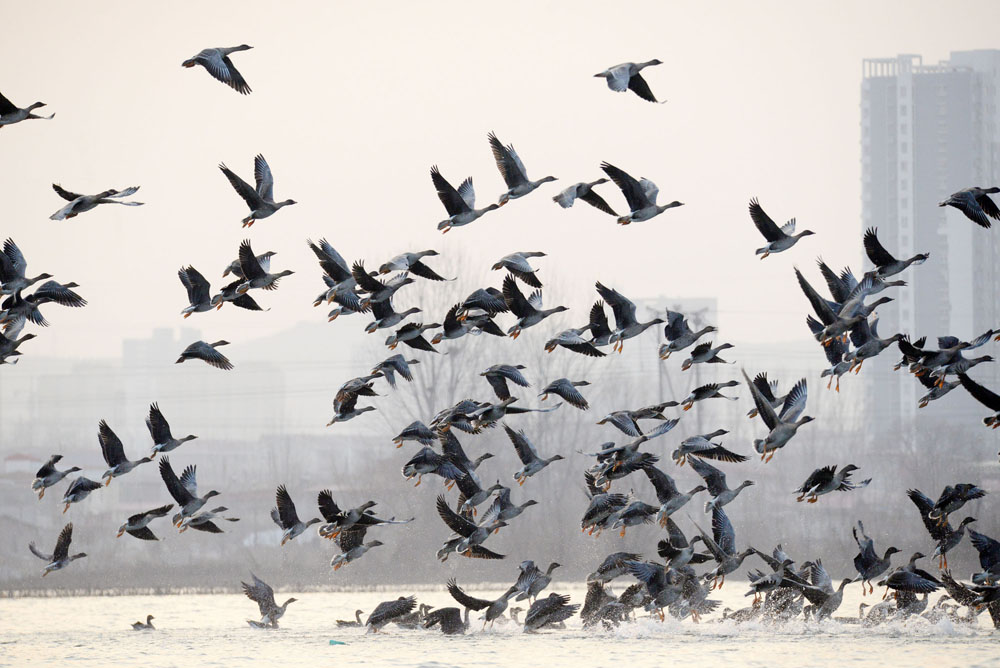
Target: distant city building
[928, 131]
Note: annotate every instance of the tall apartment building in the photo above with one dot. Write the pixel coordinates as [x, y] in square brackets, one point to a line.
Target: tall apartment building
[926, 132]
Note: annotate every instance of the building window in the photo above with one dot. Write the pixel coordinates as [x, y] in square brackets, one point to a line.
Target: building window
[903, 164]
[902, 110]
[904, 147]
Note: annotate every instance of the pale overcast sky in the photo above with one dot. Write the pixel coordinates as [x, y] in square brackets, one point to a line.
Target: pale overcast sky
[352, 104]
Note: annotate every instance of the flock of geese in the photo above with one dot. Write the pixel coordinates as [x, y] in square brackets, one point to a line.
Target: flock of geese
[680, 578]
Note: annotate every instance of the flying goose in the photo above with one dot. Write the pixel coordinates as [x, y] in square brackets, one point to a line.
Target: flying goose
[975, 204]
[259, 199]
[217, 63]
[513, 172]
[625, 76]
[640, 195]
[778, 238]
[60, 557]
[460, 204]
[10, 113]
[82, 203]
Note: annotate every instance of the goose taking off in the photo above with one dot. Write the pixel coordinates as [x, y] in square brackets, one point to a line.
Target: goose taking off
[867, 562]
[82, 203]
[10, 113]
[975, 204]
[199, 350]
[262, 594]
[389, 611]
[286, 518]
[60, 557]
[640, 195]
[585, 192]
[47, 475]
[513, 172]
[460, 204]
[260, 200]
[625, 76]
[217, 63]
[778, 238]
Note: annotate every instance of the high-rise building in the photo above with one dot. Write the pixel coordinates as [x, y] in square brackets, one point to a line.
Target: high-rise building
[928, 131]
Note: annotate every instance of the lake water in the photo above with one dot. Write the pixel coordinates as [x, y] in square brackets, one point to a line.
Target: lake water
[210, 630]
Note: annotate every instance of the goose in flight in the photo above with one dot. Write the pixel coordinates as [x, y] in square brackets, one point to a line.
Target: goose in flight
[778, 238]
[460, 204]
[584, 191]
[885, 262]
[138, 525]
[60, 557]
[513, 172]
[198, 289]
[10, 113]
[976, 204]
[285, 516]
[259, 199]
[159, 430]
[82, 203]
[12, 270]
[48, 475]
[184, 490]
[200, 350]
[217, 63]
[625, 76]
[114, 454]
[640, 195]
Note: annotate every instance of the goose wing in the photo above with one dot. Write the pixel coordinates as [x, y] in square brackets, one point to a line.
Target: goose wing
[522, 446]
[633, 191]
[508, 162]
[763, 222]
[197, 287]
[262, 175]
[981, 394]
[62, 543]
[158, 427]
[111, 445]
[455, 522]
[452, 199]
[177, 490]
[242, 188]
[286, 508]
[715, 479]
[875, 250]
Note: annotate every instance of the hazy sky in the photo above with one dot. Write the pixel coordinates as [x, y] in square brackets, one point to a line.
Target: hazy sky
[353, 104]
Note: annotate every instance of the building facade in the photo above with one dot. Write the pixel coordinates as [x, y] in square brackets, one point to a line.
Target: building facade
[928, 131]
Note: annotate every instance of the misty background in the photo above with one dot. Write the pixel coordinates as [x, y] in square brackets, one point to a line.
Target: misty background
[351, 107]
